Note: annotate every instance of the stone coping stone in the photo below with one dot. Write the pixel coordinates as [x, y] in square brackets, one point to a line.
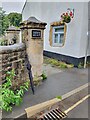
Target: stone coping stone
[34, 20]
[11, 48]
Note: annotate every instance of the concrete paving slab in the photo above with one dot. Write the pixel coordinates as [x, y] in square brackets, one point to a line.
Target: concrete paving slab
[49, 70]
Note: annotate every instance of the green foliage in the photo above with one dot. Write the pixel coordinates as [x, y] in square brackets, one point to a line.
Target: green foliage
[57, 63]
[44, 76]
[59, 97]
[3, 42]
[80, 65]
[4, 22]
[9, 96]
[15, 19]
[10, 19]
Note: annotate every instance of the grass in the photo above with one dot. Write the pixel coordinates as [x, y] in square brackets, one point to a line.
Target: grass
[59, 97]
[57, 63]
[81, 65]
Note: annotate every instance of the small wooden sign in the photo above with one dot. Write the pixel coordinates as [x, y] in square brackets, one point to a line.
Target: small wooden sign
[36, 34]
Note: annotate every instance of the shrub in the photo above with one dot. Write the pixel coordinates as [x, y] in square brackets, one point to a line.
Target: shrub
[10, 97]
[44, 76]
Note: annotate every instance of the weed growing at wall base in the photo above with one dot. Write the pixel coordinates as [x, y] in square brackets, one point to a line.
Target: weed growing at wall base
[10, 97]
[57, 63]
[44, 76]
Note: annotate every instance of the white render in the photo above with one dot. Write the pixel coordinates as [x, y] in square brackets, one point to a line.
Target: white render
[76, 36]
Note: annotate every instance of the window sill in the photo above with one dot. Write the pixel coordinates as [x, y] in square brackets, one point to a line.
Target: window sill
[58, 45]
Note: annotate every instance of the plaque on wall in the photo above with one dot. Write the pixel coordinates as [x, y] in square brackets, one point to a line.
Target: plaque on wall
[36, 34]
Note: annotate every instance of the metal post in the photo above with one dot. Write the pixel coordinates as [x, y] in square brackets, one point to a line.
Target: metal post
[87, 45]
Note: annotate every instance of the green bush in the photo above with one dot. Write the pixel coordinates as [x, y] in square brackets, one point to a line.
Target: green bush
[10, 97]
[44, 76]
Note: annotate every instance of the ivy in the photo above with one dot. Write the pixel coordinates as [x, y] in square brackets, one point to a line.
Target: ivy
[10, 97]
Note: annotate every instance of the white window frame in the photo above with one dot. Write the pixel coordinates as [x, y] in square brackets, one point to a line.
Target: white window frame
[61, 32]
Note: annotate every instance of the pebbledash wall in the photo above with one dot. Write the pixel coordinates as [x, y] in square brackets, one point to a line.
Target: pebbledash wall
[76, 36]
[13, 56]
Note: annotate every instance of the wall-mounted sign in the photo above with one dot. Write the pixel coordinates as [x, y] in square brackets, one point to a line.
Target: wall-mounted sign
[36, 34]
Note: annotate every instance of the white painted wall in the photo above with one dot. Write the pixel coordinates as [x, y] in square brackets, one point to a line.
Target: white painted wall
[89, 25]
[84, 29]
[76, 30]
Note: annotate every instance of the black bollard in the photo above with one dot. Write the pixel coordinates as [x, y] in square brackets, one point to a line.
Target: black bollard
[28, 65]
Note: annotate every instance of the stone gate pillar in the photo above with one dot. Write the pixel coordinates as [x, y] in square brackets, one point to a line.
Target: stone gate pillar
[12, 35]
[33, 37]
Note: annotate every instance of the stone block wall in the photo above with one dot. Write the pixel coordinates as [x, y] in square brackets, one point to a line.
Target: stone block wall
[34, 49]
[13, 57]
[33, 37]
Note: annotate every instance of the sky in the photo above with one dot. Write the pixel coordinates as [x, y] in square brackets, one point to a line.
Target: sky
[13, 5]
[17, 5]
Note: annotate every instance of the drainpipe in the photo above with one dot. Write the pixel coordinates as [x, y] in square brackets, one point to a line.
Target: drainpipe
[20, 36]
[86, 52]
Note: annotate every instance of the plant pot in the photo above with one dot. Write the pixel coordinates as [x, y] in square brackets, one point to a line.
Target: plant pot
[67, 20]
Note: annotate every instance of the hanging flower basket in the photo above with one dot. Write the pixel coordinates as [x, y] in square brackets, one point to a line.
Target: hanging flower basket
[67, 17]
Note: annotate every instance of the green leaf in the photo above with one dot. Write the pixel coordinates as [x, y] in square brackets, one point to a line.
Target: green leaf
[10, 96]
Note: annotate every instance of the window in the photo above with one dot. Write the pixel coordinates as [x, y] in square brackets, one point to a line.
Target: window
[58, 35]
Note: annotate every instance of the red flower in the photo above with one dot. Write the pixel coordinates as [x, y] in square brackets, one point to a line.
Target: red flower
[66, 17]
[71, 13]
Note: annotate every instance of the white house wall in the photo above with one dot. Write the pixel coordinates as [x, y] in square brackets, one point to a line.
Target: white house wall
[89, 25]
[50, 12]
[84, 30]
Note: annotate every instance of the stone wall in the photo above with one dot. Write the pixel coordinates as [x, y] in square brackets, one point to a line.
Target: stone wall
[13, 57]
